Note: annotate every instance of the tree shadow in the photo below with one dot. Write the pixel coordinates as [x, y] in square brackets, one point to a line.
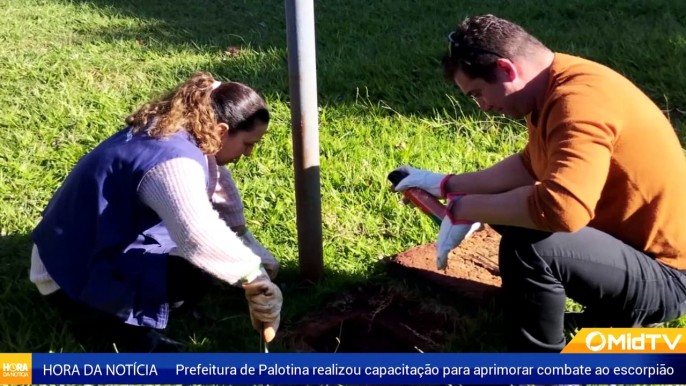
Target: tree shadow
[396, 312]
[221, 323]
[26, 321]
[387, 52]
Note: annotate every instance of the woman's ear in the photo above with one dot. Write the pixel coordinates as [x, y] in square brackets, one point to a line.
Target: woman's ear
[223, 129]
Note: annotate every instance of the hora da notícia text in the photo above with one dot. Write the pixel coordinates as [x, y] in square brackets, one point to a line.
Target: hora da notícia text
[119, 369]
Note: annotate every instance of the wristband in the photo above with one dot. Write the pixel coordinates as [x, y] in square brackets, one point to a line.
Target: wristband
[444, 181]
[453, 198]
[252, 275]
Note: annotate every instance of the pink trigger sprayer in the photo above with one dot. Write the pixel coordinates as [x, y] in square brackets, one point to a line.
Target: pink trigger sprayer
[426, 202]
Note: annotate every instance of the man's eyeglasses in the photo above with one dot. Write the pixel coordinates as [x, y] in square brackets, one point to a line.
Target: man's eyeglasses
[455, 47]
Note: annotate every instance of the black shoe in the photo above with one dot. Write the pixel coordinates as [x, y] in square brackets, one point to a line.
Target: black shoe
[185, 308]
[152, 341]
[191, 311]
[144, 340]
[654, 325]
[577, 320]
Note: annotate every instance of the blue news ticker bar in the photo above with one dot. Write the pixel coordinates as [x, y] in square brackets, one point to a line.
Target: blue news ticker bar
[358, 368]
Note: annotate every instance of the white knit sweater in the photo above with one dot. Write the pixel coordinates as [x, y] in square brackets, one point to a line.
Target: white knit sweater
[198, 221]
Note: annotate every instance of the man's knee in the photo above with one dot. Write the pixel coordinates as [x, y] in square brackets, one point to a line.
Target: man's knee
[517, 253]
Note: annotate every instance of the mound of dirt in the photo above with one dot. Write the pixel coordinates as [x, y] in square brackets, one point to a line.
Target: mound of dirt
[472, 266]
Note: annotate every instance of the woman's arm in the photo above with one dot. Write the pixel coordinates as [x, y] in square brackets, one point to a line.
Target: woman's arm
[226, 199]
[175, 190]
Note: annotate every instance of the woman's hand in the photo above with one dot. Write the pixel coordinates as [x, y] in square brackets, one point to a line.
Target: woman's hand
[264, 301]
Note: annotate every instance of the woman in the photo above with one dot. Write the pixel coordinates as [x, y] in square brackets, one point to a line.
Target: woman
[147, 220]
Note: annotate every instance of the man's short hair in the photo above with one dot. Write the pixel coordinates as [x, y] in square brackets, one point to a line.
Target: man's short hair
[479, 41]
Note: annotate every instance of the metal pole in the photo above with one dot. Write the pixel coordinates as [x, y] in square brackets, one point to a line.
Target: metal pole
[302, 71]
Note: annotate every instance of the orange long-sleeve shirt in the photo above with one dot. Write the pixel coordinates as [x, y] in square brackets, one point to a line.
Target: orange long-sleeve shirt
[605, 156]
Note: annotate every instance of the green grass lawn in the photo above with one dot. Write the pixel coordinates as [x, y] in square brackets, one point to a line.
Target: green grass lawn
[72, 70]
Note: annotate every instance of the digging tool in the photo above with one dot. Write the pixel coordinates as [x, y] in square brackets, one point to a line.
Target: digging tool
[422, 199]
[263, 343]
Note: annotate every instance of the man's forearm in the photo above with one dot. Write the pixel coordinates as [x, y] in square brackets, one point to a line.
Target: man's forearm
[509, 208]
[504, 176]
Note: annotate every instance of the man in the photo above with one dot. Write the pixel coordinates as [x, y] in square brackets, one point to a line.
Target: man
[593, 208]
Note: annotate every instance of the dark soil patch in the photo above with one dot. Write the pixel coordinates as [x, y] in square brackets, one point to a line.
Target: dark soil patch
[394, 320]
[374, 320]
[472, 266]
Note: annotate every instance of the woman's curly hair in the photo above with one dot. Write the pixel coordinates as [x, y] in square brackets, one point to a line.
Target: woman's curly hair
[196, 106]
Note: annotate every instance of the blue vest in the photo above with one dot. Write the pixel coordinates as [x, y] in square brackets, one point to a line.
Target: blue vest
[99, 242]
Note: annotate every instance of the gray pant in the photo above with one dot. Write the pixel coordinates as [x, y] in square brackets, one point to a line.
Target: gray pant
[618, 285]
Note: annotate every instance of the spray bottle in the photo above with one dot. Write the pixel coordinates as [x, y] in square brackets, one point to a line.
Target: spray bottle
[426, 202]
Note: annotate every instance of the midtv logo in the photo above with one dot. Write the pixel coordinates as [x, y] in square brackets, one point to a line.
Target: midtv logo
[628, 340]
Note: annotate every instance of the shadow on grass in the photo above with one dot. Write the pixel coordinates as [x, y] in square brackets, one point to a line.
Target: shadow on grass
[28, 324]
[388, 51]
[225, 326]
[395, 311]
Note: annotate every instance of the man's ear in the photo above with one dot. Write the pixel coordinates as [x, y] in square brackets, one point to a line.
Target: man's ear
[508, 69]
[223, 129]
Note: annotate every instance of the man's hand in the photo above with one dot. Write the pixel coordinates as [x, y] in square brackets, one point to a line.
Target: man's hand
[452, 233]
[422, 179]
[264, 301]
[270, 264]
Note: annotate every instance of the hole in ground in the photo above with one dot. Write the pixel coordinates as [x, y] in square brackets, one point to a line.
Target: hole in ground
[355, 335]
[376, 320]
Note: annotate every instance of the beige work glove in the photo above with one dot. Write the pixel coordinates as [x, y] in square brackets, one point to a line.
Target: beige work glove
[270, 264]
[433, 183]
[452, 232]
[264, 301]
